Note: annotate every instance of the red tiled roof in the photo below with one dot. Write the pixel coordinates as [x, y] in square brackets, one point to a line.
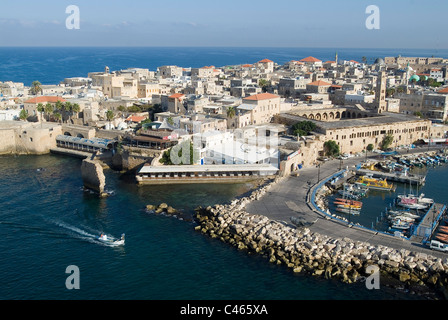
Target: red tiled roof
[265, 61]
[176, 96]
[319, 83]
[445, 90]
[46, 99]
[246, 66]
[136, 118]
[261, 96]
[310, 59]
[330, 62]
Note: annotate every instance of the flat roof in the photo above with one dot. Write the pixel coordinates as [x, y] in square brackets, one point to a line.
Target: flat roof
[209, 168]
[383, 119]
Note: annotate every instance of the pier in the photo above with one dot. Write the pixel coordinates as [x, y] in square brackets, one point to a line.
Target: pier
[425, 229]
[396, 177]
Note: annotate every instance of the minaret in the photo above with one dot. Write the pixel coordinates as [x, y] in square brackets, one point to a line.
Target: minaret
[380, 92]
[336, 58]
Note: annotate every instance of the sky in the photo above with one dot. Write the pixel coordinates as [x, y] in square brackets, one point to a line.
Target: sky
[225, 23]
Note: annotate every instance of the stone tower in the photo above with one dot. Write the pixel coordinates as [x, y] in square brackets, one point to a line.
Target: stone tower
[380, 93]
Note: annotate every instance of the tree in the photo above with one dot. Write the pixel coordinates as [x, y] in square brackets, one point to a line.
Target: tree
[370, 147]
[166, 156]
[418, 114]
[57, 115]
[387, 142]
[49, 108]
[231, 112]
[75, 109]
[331, 148]
[263, 83]
[390, 92]
[41, 109]
[110, 116]
[36, 87]
[170, 121]
[303, 128]
[23, 115]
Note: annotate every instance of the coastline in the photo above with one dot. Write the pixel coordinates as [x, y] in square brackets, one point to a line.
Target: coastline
[304, 250]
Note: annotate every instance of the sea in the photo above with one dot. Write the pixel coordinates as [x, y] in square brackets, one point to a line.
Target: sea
[49, 223]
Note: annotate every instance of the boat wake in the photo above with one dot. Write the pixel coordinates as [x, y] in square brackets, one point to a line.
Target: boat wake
[90, 236]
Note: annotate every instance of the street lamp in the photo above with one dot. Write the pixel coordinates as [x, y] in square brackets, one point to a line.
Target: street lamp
[318, 173]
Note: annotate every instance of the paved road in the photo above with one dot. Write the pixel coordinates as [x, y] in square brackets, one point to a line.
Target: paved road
[289, 199]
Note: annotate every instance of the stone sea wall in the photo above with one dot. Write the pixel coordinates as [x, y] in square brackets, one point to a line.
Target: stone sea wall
[307, 252]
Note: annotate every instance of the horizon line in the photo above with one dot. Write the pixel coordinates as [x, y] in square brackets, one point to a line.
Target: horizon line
[203, 46]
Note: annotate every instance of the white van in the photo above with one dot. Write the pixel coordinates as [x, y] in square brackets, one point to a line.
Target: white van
[437, 245]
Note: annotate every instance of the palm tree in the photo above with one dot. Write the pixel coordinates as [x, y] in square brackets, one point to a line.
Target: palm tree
[49, 108]
[41, 109]
[57, 115]
[76, 109]
[110, 116]
[68, 109]
[231, 112]
[36, 87]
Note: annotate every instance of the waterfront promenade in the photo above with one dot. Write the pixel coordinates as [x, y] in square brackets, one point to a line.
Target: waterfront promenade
[291, 198]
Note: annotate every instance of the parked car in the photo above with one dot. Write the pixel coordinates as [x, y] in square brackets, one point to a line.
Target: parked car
[439, 246]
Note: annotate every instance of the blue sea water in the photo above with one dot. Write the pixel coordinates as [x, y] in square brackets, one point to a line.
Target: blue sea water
[48, 222]
[51, 65]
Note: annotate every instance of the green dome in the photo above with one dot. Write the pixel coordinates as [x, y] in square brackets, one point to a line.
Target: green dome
[415, 77]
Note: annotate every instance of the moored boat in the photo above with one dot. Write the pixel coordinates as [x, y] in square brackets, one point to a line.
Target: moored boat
[375, 184]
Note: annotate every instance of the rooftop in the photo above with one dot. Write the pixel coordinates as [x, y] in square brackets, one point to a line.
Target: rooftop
[383, 119]
[310, 59]
[319, 83]
[42, 99]
[261, 96]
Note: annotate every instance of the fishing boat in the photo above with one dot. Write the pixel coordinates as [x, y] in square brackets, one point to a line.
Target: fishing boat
[349, 206]
[400, 224]
[420, 199]
[374, 184]
[347, 201]
[441, 237]
[401, 218]
[348, 211]
[412, 204]
[404, 213]
[111, 240]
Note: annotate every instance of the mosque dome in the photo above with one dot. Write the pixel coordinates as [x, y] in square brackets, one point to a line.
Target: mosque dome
[415, 77]
[380, 61]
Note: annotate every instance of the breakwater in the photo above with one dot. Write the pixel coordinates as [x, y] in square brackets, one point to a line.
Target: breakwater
[308, 252]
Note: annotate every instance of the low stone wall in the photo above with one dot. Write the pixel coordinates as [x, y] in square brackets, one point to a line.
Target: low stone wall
[319, 255]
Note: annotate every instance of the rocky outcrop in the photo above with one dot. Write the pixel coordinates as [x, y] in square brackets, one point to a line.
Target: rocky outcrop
[319, 255]
[93, 175]
[165, 209]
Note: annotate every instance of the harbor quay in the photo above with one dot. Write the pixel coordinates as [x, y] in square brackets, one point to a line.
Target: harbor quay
[187, 174]
[280, 221]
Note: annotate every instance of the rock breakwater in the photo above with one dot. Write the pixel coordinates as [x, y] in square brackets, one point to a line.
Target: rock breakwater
[308, 252]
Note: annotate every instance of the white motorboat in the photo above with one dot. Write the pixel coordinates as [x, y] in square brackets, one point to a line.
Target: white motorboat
[396, 213]
[111, 240]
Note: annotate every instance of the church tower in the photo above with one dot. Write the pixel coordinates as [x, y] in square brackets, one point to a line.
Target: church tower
[380, 92]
